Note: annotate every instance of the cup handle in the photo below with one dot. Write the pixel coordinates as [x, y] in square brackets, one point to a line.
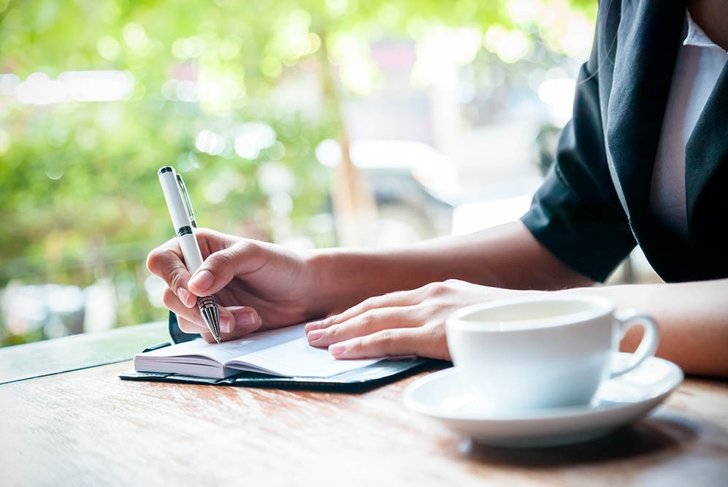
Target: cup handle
[648, 345]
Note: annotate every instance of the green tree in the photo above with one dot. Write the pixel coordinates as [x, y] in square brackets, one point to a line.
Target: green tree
[79, 197]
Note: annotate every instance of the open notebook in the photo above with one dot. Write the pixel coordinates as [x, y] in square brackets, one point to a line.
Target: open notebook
[284, 352]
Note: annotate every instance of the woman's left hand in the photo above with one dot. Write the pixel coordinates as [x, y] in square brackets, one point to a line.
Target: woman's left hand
[400, 323]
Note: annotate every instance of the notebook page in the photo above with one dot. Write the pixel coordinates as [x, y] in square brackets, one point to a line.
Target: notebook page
[299, 359]
[283, 351]
[222, 352]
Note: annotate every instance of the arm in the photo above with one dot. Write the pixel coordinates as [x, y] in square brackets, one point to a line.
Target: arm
[506, 256]
[693, 319]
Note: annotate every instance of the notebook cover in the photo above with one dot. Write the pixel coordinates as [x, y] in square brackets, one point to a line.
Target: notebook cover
[357, 380]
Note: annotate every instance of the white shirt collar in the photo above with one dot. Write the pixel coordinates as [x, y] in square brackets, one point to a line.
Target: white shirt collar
[696, 37]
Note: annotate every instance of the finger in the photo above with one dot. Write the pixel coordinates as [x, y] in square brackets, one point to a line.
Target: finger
[235, 321]
[191, 327]
[211, 241]
[190, 320]
[197, 329]
[166, 262]
[244, 319]
[369, 322]
[207, 335]
[391, 342]
[391, 300]
[222, 266]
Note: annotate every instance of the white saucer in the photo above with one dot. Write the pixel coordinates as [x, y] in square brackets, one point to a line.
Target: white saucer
[619, 401]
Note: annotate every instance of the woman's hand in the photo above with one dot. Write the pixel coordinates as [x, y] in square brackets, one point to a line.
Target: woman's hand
[400, 323]
[257, 285]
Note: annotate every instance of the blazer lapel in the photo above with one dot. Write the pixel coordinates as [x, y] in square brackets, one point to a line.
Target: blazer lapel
[647, 44]
[707, 148]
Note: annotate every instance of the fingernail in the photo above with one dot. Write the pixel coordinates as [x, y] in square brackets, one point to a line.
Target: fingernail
[337, 350]
[246, 319]
[202, 280]
[185, 296]
[226, 324]
[314, 325]
[315, 335]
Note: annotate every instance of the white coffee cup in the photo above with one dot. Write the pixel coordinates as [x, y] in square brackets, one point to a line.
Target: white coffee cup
[543, 351]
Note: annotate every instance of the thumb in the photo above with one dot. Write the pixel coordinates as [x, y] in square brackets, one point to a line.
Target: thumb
[221, 267]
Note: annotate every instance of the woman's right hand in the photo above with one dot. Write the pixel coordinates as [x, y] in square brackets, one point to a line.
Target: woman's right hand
[257, 285]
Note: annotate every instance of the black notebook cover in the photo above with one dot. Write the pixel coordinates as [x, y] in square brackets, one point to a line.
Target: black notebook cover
[358, 380]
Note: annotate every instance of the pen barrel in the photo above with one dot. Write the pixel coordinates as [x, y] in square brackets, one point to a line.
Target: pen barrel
[190, 251]
[183, 221]
[173, 197]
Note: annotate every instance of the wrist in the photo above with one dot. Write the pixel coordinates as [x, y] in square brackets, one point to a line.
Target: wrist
[342, 278]
[318, 265]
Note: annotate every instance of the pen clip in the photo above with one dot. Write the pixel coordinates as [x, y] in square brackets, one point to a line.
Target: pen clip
[187, 202]
[156, 347]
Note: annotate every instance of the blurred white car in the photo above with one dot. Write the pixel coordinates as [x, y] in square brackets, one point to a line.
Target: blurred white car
[414, 186]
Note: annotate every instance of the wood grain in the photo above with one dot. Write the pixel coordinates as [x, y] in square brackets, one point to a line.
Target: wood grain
[89, 428]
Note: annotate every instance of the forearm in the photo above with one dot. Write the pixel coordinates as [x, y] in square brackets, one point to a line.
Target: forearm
[693, 319]
[507, 256]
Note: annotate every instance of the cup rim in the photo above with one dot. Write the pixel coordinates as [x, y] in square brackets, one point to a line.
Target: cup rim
[457, 319]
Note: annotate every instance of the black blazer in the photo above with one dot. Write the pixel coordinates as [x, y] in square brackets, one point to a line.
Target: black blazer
[594, 205]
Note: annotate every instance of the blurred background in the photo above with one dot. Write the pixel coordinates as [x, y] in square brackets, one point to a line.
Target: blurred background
[307, 123]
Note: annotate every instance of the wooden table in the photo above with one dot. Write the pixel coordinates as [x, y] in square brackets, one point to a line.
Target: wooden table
[87, 427]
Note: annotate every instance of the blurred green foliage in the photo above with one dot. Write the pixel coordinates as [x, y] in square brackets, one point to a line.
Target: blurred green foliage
[79, 197]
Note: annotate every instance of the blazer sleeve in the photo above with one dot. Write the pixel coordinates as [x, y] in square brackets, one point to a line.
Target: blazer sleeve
[576, 213]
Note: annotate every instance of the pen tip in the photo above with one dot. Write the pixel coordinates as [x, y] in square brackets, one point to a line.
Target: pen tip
[209, 312]
[165, 169]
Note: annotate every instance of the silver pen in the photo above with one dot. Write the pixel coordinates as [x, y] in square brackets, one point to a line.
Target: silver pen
[183, 219]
